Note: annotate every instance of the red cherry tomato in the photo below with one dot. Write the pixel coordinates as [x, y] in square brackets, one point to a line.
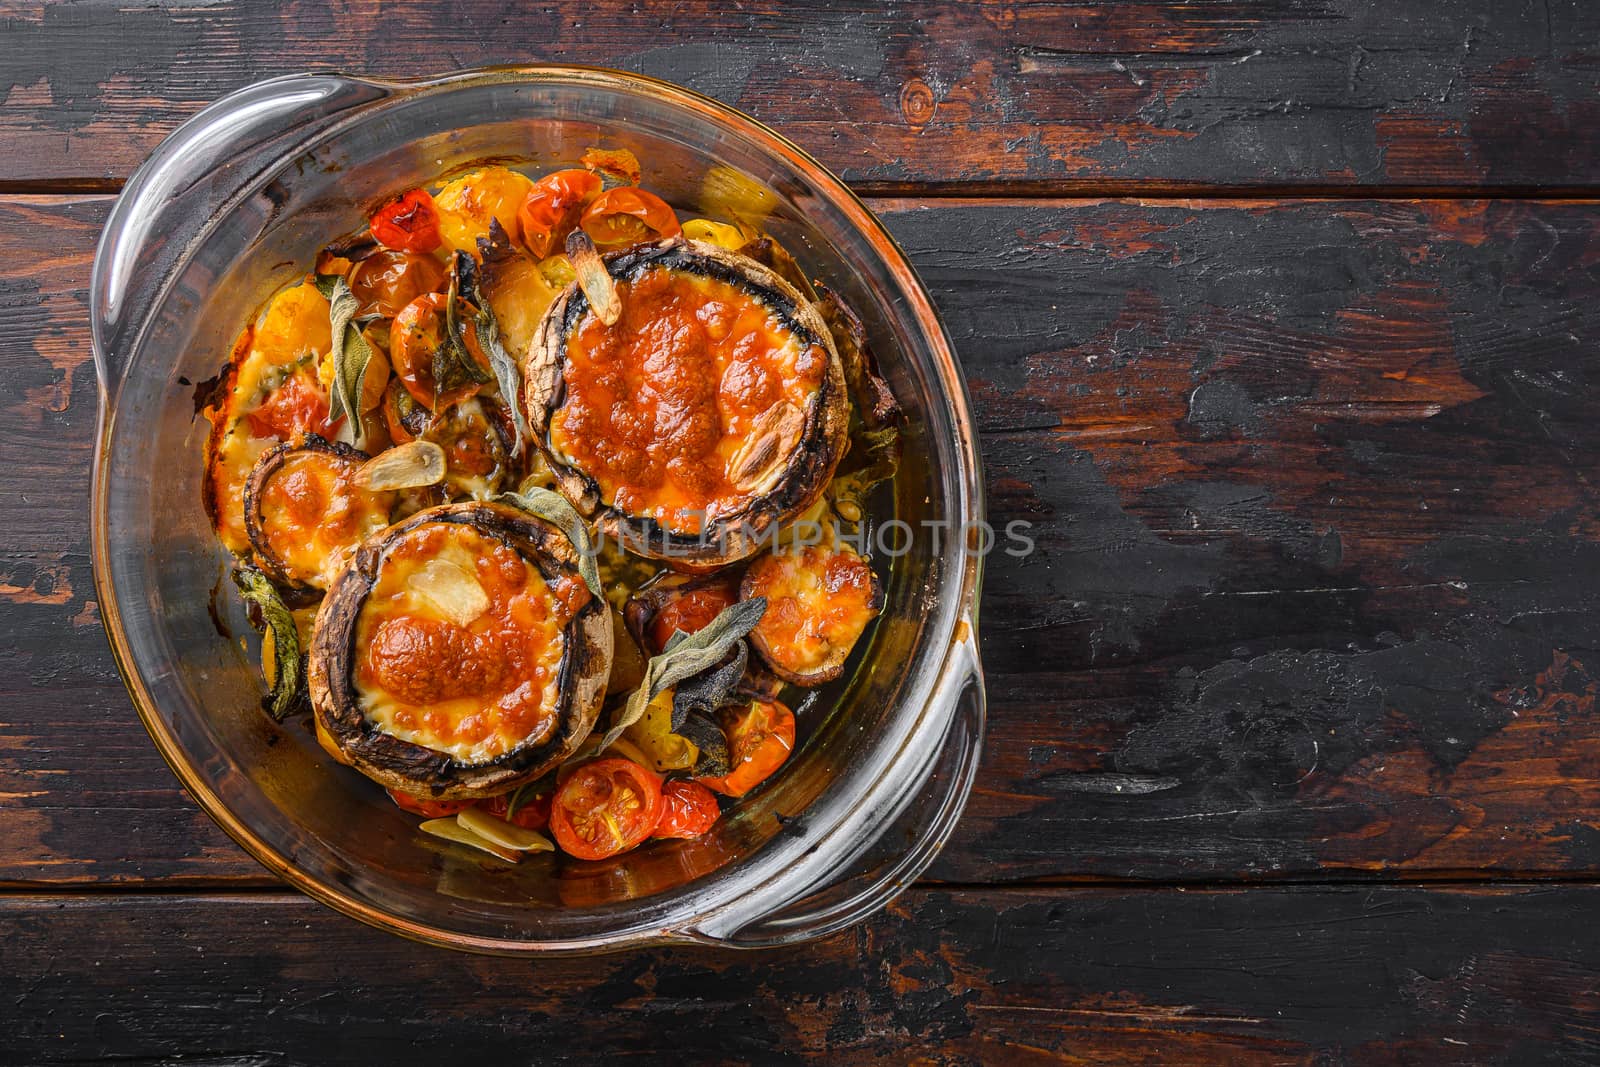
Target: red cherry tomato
[625, 216]
[690, 612]
[553, 207]
[416, 335]
[428, 809]
[296, 405]
[532, 815]
[760, 738]
[688, 809]
[619, 164]
[408, 223]
[385, 282]
[604, 808]
[403, 417]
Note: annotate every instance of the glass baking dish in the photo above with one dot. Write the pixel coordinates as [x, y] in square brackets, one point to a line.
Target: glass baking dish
[230, 208]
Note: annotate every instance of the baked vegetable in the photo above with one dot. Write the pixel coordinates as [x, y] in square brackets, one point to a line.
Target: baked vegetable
[760, 737]
[306, 509]
[711, 411]
[672, 602]
[459, 654]
[820, 600]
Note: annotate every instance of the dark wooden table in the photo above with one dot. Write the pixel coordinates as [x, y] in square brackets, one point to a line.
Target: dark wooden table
[1281, 319]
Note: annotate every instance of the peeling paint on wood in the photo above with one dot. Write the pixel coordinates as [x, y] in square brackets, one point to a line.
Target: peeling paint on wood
[1333, 94]
[1266, 976]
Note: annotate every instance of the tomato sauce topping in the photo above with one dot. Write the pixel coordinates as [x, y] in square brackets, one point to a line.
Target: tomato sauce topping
[461, 643]
[658, 404]
[818, 600]
[314, 512]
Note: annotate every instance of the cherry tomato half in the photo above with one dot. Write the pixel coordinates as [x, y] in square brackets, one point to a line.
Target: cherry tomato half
[690, 612]
[688, 809]
[532, 815]
[618, 164]
[760, 738]
[428, 809]
[417, 333]
[625, 215]
[387, 281]
[604, 808]
[553, 207]
[298, 404]
[408, 223]
[403, 417]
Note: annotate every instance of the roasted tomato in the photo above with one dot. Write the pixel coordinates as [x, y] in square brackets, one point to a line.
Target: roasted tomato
[418, 332]
[688, 809]
[554, 207]
[385, 282]
[402, 415]
[299, 404]
[690, 612]
[532, 815]
[408, 223]
[625, 216]
[428, 809]
[760, 737]
[604, 808]
[618, 164]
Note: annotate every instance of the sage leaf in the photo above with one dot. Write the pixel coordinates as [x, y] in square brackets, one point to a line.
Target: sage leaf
[710, 690]
[280, 630]
[714, 760]
[453, 365]
[351, 353]
[554, 508]
[506, 374]
[685, 656]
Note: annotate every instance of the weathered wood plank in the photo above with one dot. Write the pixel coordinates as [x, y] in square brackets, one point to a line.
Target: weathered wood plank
[1288, 93]
[1315, 587]
[1267, 976]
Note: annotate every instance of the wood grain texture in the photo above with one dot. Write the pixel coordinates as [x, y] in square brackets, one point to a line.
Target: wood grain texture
[1282, 93]
[1268, 976]
[1315, 587]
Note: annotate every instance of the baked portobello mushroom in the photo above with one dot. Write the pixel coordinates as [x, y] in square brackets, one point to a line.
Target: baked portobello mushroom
[305, 511]
[820, 599]
[459, 654]
[710, 411]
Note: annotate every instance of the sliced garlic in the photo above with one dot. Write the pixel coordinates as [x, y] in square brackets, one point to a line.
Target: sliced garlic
[502, 833]
[760, 458]
[451, 830]
[450, 589]
[409, 466]
[593, 278]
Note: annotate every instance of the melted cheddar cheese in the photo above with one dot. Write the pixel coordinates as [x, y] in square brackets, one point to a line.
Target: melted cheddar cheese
[660, 407]
[459, 644]
[274, 384]
[314, 512]
[819, 601]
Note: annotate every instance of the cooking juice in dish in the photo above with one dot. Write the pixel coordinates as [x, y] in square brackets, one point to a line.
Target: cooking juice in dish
[547, 503]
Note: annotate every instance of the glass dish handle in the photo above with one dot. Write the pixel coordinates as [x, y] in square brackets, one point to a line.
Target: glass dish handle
[175, 195]
[888, 865]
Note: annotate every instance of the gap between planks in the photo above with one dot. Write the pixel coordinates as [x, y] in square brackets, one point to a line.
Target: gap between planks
[987, 191]
[1458, 881]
